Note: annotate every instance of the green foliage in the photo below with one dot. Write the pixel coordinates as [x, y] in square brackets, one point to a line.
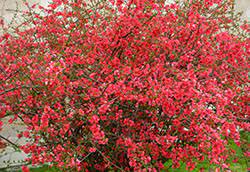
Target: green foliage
[239, 166]
[44, 168]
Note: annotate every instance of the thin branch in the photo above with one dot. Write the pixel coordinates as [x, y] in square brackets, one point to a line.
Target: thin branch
[109, 160]
[16, 88]
[12, 10]
[9, 167]
[86, 156]
[10, 142]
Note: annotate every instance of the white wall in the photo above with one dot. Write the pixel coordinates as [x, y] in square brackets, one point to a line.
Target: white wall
[8, 7]
[244, 5]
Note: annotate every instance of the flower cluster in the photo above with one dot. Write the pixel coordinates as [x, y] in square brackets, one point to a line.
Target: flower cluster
[128, 85]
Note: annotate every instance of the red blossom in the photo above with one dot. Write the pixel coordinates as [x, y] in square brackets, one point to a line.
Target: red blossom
[25, 169]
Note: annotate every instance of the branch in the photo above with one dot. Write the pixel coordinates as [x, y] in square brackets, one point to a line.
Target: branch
[13, 89]
[109, 160]
[10, 142]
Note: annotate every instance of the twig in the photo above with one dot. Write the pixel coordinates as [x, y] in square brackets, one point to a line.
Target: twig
[109, 160]
[13, 167]
[16, 88]
[86, 156]
[10, 142]
[12, 10]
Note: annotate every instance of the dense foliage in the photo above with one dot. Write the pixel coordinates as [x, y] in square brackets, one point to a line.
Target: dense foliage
[128, 85]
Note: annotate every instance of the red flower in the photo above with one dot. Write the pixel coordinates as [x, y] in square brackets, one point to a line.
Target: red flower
[25, 169]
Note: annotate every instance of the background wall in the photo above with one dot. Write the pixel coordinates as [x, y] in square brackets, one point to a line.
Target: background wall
[8, 8]
[244, 5]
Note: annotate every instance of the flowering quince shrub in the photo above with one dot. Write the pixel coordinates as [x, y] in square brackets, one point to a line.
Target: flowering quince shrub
[128, 85]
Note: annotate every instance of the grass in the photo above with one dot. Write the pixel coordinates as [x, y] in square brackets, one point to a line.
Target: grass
[241, 165]
[44, 168]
